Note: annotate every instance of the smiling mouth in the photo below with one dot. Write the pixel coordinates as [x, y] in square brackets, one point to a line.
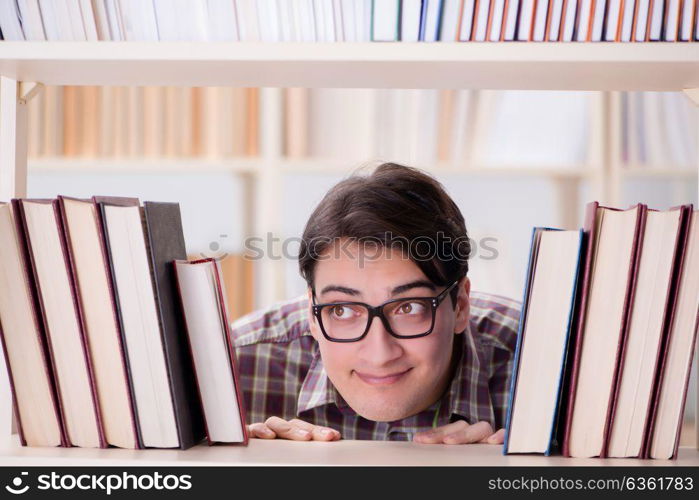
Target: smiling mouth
[382, 379]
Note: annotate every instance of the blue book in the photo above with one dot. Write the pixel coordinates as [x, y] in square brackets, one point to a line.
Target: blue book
[543, 342]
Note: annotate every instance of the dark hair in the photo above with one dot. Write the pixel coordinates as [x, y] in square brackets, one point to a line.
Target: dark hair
[394, 204]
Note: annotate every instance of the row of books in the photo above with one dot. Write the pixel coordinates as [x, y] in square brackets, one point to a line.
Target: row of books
[144, 122]
[658, 129]
[351, 20]
[111, 337]
[607, 333]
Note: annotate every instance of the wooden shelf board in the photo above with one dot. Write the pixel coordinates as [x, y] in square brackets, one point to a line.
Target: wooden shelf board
[344, 452]
[502, 65]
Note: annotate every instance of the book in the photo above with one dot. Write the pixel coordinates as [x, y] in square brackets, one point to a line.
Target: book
[545, 326]
[449, 29]
[410, 20]
[659, 246]
[40, 228]
[165, 241]
[24, 344]
[385, 20]
[604, 310]
[139, 321]
[95, 303]
[675, 367]
[30, 13]
[201, 290]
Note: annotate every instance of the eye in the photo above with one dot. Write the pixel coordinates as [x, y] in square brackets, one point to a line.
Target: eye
[411, 308]
[341, 312]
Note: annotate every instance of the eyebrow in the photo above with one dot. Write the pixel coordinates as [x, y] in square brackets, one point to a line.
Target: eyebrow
[396, 290]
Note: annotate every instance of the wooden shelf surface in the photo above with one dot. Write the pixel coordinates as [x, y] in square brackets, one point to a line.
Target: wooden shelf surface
[502, 65]
[280, 452]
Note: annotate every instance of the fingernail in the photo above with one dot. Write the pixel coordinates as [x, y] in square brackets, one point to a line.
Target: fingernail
[268, 432]
[302, 432]
[327, 431]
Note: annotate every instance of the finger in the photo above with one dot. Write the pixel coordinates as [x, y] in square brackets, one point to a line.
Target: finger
[473, 434]
[286, 430]
[437, 435]
[496, 438]
[318, 432]
[261, 431]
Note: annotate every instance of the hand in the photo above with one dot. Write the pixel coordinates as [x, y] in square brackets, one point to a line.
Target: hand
[295, 430]
[461, 432]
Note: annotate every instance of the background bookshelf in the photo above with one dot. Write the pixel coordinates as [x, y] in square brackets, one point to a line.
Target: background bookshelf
[286, 156]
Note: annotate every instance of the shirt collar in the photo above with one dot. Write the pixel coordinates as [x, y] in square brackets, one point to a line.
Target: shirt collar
[468, 387]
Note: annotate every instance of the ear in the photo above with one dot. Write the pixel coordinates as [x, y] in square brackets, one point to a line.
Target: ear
[312, 321]
[463, 309]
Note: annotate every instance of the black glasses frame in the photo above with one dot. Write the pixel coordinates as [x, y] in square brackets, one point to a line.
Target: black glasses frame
[377, 311]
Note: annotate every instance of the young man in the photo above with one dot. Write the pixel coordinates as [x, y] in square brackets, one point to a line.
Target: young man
[388, 343]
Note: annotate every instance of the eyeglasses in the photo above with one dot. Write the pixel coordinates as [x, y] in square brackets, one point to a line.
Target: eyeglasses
[404, 318]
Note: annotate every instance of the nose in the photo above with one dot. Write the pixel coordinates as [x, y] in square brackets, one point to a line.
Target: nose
[379, 348]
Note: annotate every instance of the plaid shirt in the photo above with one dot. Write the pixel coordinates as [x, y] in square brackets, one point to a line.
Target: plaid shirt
[282, 374]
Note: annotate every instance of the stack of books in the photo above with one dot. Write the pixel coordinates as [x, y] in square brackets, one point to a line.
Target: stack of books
[351, 20]
[607, 332]
[94, 333]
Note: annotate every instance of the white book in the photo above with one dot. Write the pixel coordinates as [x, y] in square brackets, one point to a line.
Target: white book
[410, 21]
[267, 13]
[526, 17]
[140, 324]
[206, 316]
[481, 20]
[113, 16]
[598, 21]
[430, 30]
[248, 21]
[672, 17]
[319, 20]
[101, 20]
[308, 29]
[50, 20]
[32, 26]
[385, 21]
[641, 20]
[76, 21]
[556, 19]
[364, 13]
[449, 31]
[511, 20]
[348, 21]
[89, 23]
[584, 22]
[329, 15]
[286, 20]
[467, 20]
[569, 21]
[222, 23]
[686, 23]
[496, 24]
[542, 8]
[337, 21]
[627, 20]
[656, 20]
[138, 18]
[196, 20]
[696, 23]
[166, 18]
[613, 13]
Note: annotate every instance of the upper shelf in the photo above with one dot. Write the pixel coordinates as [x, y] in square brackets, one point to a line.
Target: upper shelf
[501, 65]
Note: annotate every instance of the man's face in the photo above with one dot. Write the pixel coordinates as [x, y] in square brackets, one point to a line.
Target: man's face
[381, 377]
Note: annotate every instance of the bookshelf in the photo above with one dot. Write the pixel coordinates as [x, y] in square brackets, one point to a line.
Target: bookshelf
[603, 67]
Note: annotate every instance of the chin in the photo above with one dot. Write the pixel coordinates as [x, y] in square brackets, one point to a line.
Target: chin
[382, 413]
